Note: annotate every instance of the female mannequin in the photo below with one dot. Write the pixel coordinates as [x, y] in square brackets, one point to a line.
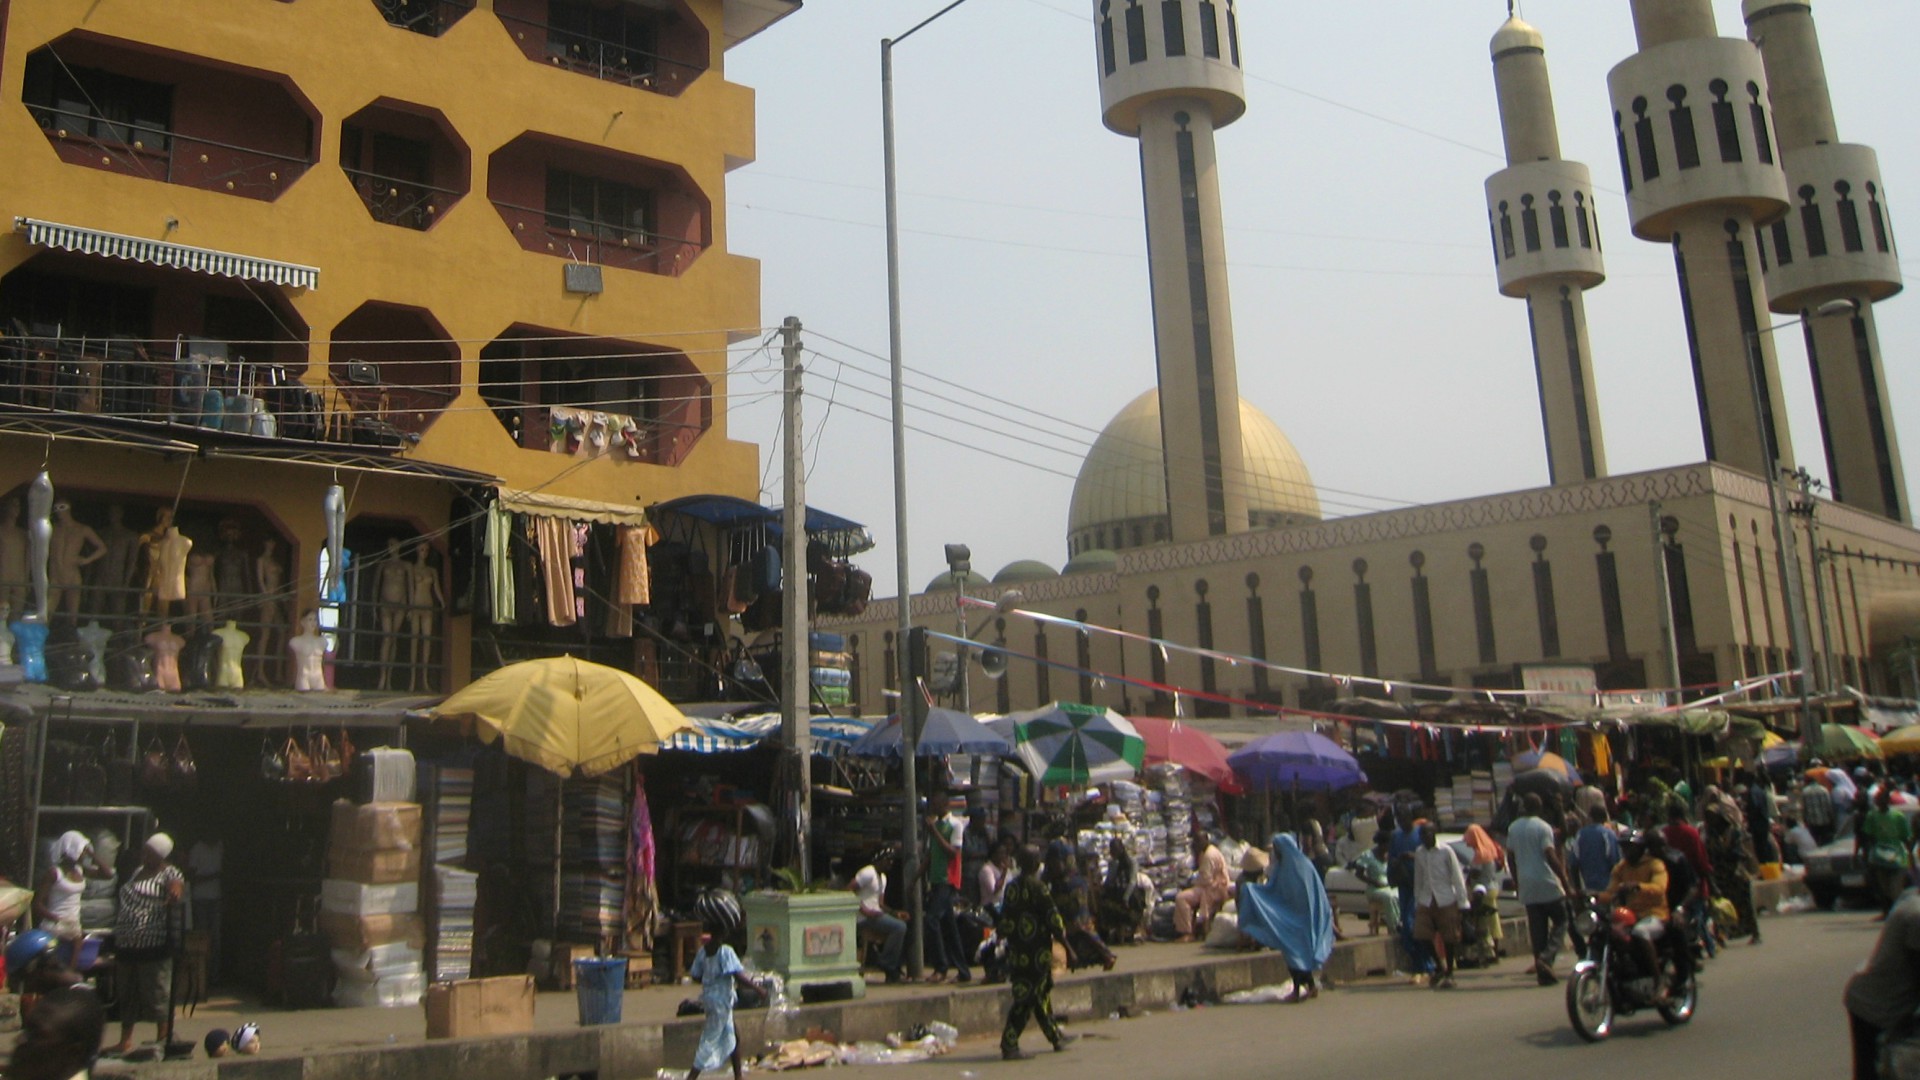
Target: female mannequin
[200, 584]
[95, 637]
[396, 589]
[114, 571]
[424, 599]
[309, 651]
[166, 561]
[271, 575]
[75, 547]
[166, 646]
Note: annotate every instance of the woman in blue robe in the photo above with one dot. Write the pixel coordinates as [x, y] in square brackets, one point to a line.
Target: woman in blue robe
[1290, 914]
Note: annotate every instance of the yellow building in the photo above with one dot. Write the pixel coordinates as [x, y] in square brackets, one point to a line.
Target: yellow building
[420, 248]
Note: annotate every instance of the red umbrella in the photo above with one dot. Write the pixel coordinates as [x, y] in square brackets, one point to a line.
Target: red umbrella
[1177, 743]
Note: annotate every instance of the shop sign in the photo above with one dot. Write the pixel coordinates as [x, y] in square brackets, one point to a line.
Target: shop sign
[821, 941]
[1560, 686]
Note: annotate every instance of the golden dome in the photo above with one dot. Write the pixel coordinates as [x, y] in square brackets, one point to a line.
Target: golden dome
[1120, 498]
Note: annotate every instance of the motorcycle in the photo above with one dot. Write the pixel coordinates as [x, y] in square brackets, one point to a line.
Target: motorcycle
[1611, 981]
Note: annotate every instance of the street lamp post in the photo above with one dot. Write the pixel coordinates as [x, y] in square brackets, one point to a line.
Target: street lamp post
[959, 565]
[911, 702]
[1783, 533]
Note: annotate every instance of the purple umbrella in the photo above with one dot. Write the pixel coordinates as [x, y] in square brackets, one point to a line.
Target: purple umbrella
[1295, 761]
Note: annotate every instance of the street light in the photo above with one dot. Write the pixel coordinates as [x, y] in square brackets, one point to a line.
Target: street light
[1783, 534]
[910, 700]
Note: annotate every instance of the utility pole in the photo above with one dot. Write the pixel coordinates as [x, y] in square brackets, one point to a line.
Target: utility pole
[1669, 641]
[1805, 509]
[796, 710]
[913, 713]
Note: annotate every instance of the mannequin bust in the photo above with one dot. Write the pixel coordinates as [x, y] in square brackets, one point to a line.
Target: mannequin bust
[232, 567]
[309, 651]
[396, 592]
[75, 547]
[424, 599]
[30, 646]
[115, 569]
[200, 583]
[270, 574]
[166, 552]
[13, 556]
[233, 648]
[166, 646]
[6, 635]
[95, 637]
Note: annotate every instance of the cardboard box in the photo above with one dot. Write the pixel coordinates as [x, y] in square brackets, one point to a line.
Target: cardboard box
[339, 897]
[470, 1007]
[373, 867]
[359, 933]
[385, 826]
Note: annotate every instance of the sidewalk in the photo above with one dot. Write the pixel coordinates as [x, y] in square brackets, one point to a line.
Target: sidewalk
[375, 1044]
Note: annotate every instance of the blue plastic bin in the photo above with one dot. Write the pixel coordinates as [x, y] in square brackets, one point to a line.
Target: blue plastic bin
[601, 985]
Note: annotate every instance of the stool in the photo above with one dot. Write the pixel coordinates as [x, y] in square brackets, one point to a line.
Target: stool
[193, 968]
[683, 943]
[866, 939]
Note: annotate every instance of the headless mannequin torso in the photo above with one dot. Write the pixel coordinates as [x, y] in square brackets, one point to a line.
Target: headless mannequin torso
[233, 648]
[309, 655]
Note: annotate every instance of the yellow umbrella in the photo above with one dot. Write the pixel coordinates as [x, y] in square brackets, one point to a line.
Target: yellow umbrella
[566, 715]
[1904, 741]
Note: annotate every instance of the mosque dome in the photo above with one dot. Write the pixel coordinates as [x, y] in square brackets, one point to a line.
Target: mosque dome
[1516, 33]
[1091, 561]
[1120, 497]
[1023, 570]
[970, 579]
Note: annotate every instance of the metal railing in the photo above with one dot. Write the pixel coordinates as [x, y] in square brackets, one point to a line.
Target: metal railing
[428, 17]
[604, 243]
[172, 157]
[609, 61]
[406, 203]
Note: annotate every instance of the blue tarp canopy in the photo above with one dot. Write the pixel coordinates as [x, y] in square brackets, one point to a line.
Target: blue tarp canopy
[832, 736]
[843, 536]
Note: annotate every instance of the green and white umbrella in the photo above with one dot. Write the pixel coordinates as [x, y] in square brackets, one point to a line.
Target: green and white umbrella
[1069, 743]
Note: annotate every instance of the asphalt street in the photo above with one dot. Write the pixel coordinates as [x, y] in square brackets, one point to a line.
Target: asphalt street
[1773, 1010]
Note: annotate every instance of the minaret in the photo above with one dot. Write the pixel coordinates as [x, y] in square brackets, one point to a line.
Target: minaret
[1546, 247]
[1169, 75]
[1691, 120]
[1836, 244]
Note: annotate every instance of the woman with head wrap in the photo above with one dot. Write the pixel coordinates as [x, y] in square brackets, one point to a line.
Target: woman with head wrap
[1730, 850]
[1068, 886]
[1483, 880]
[57, 902]
[1122, 904]
[143, 940]
[1290, 913]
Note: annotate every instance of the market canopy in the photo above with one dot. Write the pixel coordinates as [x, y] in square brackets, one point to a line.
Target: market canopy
[1904, 741]
[844, 536]
[1172, 742]
[1071, 743]
[1844, 742]
[1296, 761]
[945, 731]
[566, 715]
[832, 736]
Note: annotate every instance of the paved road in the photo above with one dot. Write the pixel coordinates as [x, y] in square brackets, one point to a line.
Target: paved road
[1767, 1011]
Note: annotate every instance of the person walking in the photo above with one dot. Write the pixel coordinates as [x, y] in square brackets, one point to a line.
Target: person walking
[944, 836]
[1596, 847]
[1484, 876]
[1031, 924]
[1290, 914]
[1541, 876]
[1440, 897]
[870, 888]
[1681, 836]
[1884, 995]
[143, 941]
[717, 968]
[1730, 848]
[1884, 843]
[1817, 810]
[1072, 898]
[1212, 885]
[1402, 843]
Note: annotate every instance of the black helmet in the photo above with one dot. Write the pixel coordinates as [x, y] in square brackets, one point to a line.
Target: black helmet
[718, 911]
[1639, 839]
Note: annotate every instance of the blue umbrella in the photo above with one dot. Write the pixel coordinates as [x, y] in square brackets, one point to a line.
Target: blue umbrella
[1295, 761]
[946, 731]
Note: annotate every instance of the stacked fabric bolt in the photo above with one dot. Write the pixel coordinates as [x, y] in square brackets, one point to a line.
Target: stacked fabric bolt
[455, 893]
[593, 846]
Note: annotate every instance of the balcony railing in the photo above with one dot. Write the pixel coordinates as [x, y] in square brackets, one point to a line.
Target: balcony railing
[169, 156]
[406, 203]
[165, 384]
[429, 17]
[609, 61]
[604, 243]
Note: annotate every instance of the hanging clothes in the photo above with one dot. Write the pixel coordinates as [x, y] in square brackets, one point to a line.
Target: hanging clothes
[555, 539]
[1602, 753]
[643, 899]
[499, 551]
[580, 530]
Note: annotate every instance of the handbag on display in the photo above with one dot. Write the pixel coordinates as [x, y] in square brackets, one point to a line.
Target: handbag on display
[89, 783]
[183, 773]
[273, 761]
[299, 764]
[156, 766]
[344, 753]
[325, 758]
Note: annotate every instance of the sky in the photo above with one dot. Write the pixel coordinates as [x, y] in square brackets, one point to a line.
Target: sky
[1366, 317]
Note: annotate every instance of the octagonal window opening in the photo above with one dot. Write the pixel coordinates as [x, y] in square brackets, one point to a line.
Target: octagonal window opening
[653, 45]
[589, 205]
[427, 17]
[595, 396]
[123, 107]
[405, 161]
[395, 367]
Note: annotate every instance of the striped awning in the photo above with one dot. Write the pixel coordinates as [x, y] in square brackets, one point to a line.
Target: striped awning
[49, 234]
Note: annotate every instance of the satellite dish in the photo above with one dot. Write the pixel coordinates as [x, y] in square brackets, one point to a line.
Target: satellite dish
[993, 662]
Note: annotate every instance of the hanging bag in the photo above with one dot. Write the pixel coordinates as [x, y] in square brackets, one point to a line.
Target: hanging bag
[183, 773]
[326, 760]
[299, 764]
[89, 779]
[273, 761]
[344, 752]
[156, 766]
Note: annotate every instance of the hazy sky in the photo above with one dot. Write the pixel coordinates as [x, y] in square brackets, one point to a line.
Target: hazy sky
[1366, 317]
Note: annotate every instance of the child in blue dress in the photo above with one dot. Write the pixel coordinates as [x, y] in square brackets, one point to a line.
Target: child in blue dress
[720, 973]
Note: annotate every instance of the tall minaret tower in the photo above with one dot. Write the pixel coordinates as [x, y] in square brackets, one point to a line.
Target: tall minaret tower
[1169, 75]
[1546, 247]
[1837, 244]
[1695, 134]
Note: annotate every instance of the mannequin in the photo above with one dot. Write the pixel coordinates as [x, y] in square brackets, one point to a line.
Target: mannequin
[75, 547]
[13, 556]
[199, 584]
[233, 647]
[309, 651]
[95, 637]
[270, 574]
[166, 646]
[232, 568]
[424, 599]
[30, 646]
[6, 635]
[395, 593]
[334, 508]
[200, 660]
[114, 571]
[39, 540]
[166, 552]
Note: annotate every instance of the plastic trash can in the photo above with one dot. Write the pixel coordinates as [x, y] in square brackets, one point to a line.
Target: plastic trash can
[601, 986]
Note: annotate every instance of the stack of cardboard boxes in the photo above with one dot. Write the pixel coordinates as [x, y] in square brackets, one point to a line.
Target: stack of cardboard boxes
[370, 903]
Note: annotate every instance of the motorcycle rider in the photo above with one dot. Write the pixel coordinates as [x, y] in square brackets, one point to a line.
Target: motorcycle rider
[1639, 884]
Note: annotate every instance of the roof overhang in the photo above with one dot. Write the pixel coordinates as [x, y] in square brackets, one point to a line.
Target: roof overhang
[214, 708]
[541, 504]
[111, 245]
[350, 461]
[742, 19]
